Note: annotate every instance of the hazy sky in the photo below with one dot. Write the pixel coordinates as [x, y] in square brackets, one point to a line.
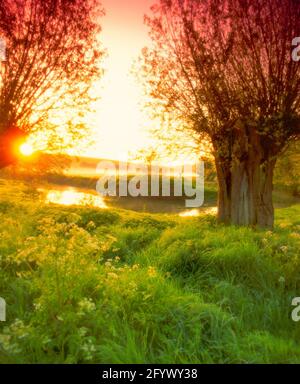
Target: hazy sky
[120, 126]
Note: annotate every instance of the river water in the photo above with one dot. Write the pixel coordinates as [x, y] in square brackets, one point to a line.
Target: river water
[69, 196]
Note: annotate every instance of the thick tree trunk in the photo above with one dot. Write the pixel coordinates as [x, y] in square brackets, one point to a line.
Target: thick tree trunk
[245, 192]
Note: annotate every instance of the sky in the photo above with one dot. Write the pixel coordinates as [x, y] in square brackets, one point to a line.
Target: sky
[121, 127]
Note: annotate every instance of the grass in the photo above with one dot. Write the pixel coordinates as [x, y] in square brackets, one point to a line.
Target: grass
[84, 285]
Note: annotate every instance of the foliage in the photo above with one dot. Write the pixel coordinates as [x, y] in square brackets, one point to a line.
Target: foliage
[52, 60]
[287, 171]
[224, 69]
[98, 286]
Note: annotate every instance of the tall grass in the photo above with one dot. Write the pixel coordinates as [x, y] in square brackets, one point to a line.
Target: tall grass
[95, 286]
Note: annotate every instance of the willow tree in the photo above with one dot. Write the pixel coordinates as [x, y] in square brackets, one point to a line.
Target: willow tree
[226, 67]
[50, 59]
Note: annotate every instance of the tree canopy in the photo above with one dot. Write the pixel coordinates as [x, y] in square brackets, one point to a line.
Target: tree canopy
[226, 67]
[51, 60]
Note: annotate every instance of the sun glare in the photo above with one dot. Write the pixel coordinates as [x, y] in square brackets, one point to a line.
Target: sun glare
[72, 197]
[26, 149]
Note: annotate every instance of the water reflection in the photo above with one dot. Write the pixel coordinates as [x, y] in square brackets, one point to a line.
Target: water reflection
[73, 197]
[190, 213]
[198, 212]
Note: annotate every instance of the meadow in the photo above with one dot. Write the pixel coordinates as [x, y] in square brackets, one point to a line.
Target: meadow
[85, 285]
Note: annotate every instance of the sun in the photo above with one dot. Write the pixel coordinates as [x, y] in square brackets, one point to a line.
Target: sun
[26, 149]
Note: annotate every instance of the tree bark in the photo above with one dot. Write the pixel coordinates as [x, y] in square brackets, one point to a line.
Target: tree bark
[245, 192]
